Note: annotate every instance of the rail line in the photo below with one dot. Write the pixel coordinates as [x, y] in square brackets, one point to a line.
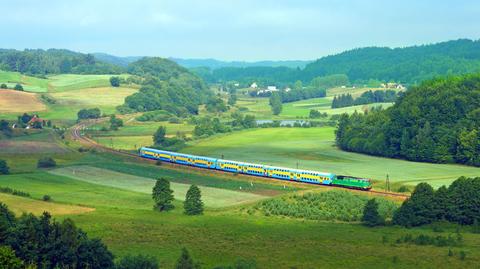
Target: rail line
[77, 135]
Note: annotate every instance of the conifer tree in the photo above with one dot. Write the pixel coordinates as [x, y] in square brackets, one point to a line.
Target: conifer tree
[193, 204]
[4, 169]
[371, 217]
[185, 261]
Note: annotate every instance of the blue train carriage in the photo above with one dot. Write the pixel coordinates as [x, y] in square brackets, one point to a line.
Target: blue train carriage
[240, 167]
[174, 157]
[156, 154]
[307, 176]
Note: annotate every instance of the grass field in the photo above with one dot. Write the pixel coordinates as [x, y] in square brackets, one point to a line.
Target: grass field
[68, 82]
[20, 205]
[314, 148]
[212, 197]
[127, 224]
[30, 84]
[18, 102]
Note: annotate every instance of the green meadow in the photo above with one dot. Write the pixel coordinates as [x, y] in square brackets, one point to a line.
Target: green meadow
[314, 149]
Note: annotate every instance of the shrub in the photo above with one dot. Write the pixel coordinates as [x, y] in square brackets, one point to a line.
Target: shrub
[115, 81]
[18, 87]
[3, 86]
[137, 262]
[370, 214]
[47, 198]
[46, 162]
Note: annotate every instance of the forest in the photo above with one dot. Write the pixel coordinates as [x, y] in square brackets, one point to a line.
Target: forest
[368, 97]
[437, 121]
[53, 61]
[409, 65]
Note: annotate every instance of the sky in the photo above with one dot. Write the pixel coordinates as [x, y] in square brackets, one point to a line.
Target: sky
[245, 30]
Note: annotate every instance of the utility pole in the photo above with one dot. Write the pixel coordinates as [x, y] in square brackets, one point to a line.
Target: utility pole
[387, 184]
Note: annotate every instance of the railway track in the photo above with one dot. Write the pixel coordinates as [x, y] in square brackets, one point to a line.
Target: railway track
[76, 133]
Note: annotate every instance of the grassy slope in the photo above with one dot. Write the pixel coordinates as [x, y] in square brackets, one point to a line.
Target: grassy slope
[30, 84]
[123, 216]
[212, 197]
[313, 148]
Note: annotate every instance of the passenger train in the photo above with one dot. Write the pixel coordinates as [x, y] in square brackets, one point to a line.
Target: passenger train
[300, 175]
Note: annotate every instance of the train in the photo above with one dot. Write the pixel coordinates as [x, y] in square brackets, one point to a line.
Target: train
[268, 171]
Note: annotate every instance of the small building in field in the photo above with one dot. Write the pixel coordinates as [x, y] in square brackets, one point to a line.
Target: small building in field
[254, 85]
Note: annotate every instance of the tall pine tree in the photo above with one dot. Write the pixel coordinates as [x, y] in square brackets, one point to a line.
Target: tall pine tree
[371, 217]
[193, 204]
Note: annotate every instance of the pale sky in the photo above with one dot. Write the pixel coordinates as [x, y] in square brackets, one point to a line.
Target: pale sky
[233, 30]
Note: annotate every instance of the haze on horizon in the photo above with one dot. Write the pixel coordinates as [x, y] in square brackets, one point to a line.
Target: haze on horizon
[233, 30]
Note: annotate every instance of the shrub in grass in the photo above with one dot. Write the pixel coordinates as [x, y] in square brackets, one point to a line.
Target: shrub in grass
[193, 204]
[462, 255]
[18, 87]
[46, 162]
[3, 86]
[162, 194]
[47, 198]
[371, 217]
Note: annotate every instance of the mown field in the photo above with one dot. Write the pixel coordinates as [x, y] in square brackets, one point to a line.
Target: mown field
[314, 148]
[70, 93]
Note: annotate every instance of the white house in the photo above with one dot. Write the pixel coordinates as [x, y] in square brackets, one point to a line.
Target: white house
[254, 85]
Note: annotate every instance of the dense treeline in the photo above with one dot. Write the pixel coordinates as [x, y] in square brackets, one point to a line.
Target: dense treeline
[368, 97]
[166, 86]
[53, 61]
[409, 65]
[46, 243]
[459, 203]
[437, 121]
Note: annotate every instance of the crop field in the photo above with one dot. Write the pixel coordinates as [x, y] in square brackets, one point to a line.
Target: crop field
[20, 205]
[18, 102]
[314, 148]
[213, 197]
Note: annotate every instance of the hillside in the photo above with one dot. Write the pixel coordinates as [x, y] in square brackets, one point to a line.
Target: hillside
[409, 65]
[437, 121]
[53, 61]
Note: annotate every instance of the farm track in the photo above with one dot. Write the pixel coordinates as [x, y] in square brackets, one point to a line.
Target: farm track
[76, 133]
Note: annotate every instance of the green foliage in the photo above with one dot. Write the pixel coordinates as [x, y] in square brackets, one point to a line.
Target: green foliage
[458, 203]
[193, 204]
[18, 87]
[167, 86]
[315, 114]
[3, 86]
[276, 103]
[330, 81]
[49, 244]
[368, 97]
[46, 162]
[215, 104]
[185, 261]
[434, 122]
[91, 113]
[329, 205]
[115, 122]
[371, 217]
[14, 192]
[137, 262]
[115, 81]
[47, 198]
[8, 260]
[243, 122]
[207, 127]
[54, 61]
[159, 135]
[240, 264]
[4, 169]
[158, 115]
[425, 240]
[232, 99]
[162, 195]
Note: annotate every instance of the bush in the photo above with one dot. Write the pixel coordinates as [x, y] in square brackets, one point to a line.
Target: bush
[3, 86]
[46, 162]
[18, 87]
[115, 81]
[159, 115]
[47, 198]
[92, 113]
[14, 192]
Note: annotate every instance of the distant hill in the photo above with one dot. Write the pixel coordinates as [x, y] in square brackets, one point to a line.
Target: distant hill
[215, 64]
[116, 60]
[54, 61]
[409, 65]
